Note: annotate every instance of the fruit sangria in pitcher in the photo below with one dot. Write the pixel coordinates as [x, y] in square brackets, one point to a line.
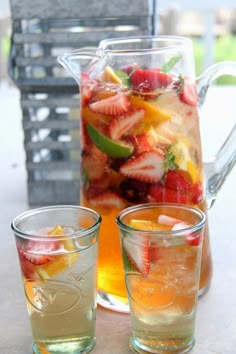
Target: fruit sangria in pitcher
[140, 140]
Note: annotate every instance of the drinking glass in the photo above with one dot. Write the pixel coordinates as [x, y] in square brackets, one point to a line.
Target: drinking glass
[57, 249]
[161, 249]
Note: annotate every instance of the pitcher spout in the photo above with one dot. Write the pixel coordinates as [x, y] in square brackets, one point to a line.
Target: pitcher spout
[79, 61]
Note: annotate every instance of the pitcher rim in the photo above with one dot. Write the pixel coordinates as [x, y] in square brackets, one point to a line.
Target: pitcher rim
[177, 42]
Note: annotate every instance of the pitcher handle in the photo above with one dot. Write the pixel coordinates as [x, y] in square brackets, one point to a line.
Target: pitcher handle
[224, 160]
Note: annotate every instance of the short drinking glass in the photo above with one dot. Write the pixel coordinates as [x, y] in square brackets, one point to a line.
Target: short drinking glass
[161, 249]
[57, 249]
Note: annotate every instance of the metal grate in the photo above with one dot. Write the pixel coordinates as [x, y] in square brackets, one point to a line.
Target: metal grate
[50, 98]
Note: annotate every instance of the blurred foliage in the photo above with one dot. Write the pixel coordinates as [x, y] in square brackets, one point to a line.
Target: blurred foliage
[224, 49]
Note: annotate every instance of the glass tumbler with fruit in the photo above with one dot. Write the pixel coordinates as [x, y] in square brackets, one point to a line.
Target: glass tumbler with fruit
[140, 139]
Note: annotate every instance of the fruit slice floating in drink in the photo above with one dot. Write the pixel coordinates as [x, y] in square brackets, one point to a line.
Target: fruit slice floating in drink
[42, 259]
[139, 145]
[138, 257]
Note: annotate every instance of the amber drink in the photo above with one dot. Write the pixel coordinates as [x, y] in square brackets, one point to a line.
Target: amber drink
[140, 144]
[57, 248]
[161, 248]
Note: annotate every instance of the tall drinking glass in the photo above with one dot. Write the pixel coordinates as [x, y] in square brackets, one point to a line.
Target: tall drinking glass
[161, 249]
[57, 249]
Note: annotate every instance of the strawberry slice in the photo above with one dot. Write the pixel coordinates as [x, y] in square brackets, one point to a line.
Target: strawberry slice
[87, 88]
[188, 94]
[108, 200]
[179, 180]
[146, 167]
[27, 267]
[197, 193]
[122, 124]
[94, 162]
[39, 253]
[154, 254]
[167, 220]
[113, 106]
[190, 238]
[159, 193]
[149, 80]
[138, 255]
[140, 142]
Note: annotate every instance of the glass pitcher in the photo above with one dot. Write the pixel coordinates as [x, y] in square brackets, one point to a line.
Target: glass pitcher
[140, 140]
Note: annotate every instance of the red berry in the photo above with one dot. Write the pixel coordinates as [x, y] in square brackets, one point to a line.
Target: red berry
[192, 239]
[40, 252]
[140, 143]
[121, 125]
[114, 106]
[108, 200]
[94, 162]
[197, 193]
[146, 167]
[179, 180]
[138, 255]
[159, 193]
[188, 94]
[87, 87]
[27, 267]
[149, 80]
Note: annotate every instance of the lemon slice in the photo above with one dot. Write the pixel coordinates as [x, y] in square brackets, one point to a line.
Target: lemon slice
[68, 244]
[109, 75]
[181, 150]
[59, 263]
[57, 230]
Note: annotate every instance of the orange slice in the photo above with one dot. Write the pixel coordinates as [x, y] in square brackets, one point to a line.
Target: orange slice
[152, 114]
[89, 116]
[147, 225]
[60, 262]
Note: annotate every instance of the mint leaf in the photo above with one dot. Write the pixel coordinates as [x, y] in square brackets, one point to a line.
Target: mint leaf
[170, 64]
[169, 161]
[123, 76]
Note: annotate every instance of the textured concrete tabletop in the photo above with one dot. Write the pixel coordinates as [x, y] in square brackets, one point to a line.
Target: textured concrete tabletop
[216, 315]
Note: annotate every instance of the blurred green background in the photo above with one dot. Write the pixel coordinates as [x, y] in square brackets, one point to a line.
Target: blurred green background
[224, 49]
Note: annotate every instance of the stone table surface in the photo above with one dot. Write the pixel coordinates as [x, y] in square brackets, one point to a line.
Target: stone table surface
[216, 315]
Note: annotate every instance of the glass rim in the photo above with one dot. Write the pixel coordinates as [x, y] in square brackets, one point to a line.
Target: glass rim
[69, 235]
[174, 43]
[165, 233]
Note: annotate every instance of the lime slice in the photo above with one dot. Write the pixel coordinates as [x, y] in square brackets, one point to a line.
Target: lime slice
[108, 146]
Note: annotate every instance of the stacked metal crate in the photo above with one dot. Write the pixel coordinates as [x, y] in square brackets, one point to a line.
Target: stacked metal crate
[41, 30]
